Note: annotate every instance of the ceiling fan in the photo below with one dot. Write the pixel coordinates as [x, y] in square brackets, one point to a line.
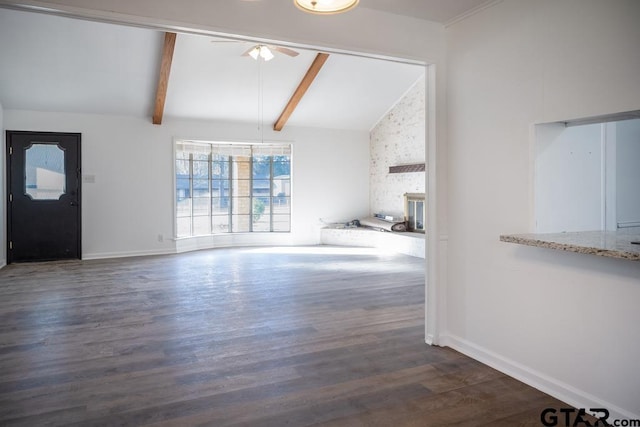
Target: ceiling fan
[266, 52]
[260, 50]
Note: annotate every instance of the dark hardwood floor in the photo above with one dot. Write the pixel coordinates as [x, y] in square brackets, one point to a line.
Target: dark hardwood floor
[264, 337]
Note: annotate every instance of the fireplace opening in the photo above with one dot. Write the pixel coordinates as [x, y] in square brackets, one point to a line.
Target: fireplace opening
[415, 212]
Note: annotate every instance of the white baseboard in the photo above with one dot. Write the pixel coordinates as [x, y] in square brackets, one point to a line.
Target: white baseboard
[231, 240]
[629, 224]
[428, 339]
[3, 263]
[558, 389]
[106, 255]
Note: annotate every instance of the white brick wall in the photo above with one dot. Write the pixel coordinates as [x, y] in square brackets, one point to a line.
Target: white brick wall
[397, 139]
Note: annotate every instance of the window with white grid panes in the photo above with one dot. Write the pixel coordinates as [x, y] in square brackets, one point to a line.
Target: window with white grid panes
[232, 188]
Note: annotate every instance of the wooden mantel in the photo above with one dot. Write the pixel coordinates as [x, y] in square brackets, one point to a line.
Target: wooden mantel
[416, 167]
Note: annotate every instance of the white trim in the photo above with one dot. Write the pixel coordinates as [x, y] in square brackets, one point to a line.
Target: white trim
[610, 176]
[127, 254]
[472, 12]
[552, 386]
[603, 176]
[428, 339]
[174, 213]
[628, 224]
[233, 240]
[3, 263]
[214, 241]
[533, 201]
[433, 306]
[212, 143]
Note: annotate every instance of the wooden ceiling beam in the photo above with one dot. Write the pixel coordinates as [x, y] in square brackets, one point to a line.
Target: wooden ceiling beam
[308, 78]
[163, 79]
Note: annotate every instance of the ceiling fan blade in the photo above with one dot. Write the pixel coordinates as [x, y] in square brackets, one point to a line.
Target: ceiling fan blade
[246, 52]
[284, 50]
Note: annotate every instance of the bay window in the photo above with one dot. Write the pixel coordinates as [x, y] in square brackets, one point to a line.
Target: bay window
[232, 188]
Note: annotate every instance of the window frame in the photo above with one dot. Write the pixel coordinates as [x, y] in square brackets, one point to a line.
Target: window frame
[285, 148]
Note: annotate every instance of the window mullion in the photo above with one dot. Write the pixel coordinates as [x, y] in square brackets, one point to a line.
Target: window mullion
[191, 226]
[230, 196]
[210, 187]
[251, 191]
[271, 193]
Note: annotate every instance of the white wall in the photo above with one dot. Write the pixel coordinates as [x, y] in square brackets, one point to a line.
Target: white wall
[398, 139]
[628, 171]
[566, 322]
[131, 201]
[568, 178]
[3, 219]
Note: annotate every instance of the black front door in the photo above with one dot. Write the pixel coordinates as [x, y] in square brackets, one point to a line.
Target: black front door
[43, 176]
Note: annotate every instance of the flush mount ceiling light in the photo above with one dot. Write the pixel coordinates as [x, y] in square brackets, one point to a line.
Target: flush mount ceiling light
[325, 7]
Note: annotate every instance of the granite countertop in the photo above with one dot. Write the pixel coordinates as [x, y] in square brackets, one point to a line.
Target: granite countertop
[613, 244]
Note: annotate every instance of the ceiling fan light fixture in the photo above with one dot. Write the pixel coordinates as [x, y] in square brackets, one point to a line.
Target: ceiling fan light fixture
[254, 52]
[265, 53]
[325, 7]
[260, 51]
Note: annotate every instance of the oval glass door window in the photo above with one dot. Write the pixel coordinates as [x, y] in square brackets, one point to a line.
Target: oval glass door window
[44, 172]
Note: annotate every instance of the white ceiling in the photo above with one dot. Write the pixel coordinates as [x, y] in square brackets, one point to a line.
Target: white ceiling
[53, 63]
[441, 11]
[212, 80]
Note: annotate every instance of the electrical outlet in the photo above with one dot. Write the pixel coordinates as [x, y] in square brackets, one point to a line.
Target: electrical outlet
[160, 238]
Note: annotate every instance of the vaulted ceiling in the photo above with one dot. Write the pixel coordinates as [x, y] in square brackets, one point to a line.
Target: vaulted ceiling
[54, 63]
